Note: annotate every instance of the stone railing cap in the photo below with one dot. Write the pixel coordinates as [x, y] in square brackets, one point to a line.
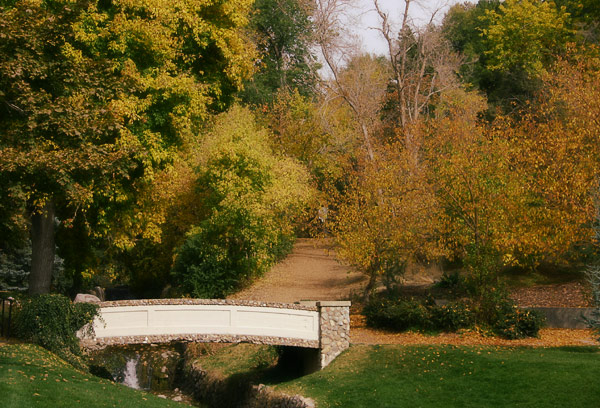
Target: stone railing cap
[325, 303]
[307, 302]
[334, 303]
[215, 302]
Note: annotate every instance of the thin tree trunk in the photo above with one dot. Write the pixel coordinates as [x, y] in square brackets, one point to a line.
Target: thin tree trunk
[372, 284]
[42, 248]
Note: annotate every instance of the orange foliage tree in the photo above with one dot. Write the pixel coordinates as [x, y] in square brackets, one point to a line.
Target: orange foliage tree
[523, 187]
[388, 218]
[559, 158]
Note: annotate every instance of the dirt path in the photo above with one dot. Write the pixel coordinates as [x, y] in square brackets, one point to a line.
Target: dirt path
[310, 272]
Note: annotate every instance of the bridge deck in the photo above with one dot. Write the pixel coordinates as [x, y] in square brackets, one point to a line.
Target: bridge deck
[162, 320]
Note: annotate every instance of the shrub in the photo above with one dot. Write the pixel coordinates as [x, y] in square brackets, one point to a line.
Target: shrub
[400, 314]
[212, 263]
[593, 275]
[453, 317]
[502, 316]
[491, 302]
[513, 322]
[495, 310]
[52, 322]
[454, 284]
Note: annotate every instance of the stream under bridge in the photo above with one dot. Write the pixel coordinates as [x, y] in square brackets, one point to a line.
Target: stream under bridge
[320, 330]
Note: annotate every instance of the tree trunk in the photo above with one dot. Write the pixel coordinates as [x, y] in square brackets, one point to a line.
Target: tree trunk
[42, 249]
[372, 284]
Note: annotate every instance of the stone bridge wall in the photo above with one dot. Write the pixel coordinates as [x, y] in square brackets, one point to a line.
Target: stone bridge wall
[321, 326]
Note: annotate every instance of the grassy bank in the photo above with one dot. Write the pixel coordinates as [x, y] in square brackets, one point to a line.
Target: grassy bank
[447, 376]
[364, 376]
[33, 377]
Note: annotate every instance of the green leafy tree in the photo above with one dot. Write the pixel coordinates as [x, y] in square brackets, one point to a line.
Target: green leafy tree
[251, 197]
[526, 35]
[95, 97]
[585, 15]
[462, 26]
[507, 46]
[284, 31]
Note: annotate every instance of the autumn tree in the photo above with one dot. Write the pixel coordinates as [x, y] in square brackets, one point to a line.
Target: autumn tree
[559, 156]
[96, 96]
[386, 214]
[388, 218]
[315, 131]
[487, 212]
[472, 176]
[297, 127]
[361, 86]
[357, 79]
[520, 189]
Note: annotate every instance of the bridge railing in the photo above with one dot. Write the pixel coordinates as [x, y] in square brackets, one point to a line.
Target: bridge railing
[318, 325]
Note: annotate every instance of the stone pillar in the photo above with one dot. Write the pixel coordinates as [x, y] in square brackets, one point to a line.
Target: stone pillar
[334, 332]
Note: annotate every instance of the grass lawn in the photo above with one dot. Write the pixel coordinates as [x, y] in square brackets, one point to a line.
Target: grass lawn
[33, 377]
[448, 376]
[239, 359]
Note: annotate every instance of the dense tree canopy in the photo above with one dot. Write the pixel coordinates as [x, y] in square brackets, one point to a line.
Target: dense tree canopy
[525, 35]
[96, 95]
[123, 148]
[508, 45]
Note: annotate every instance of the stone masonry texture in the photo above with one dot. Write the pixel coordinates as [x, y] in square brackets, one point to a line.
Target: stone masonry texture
[335, 330]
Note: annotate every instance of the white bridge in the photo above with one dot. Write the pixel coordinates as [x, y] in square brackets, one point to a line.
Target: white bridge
[324, 326]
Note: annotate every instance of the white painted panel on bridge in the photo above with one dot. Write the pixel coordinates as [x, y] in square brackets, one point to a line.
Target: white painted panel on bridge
[194, 317]
[275, 320]
[125, 318]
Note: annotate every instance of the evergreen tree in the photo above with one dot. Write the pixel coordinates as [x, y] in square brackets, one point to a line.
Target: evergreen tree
[284, 33]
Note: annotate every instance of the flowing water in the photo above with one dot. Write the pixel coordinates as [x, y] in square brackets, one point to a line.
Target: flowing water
[130, 377]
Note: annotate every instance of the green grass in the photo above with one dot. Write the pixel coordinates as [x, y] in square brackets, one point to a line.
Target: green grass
[240, 359]
[447, 376]
[33, 377]
[431, 376]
